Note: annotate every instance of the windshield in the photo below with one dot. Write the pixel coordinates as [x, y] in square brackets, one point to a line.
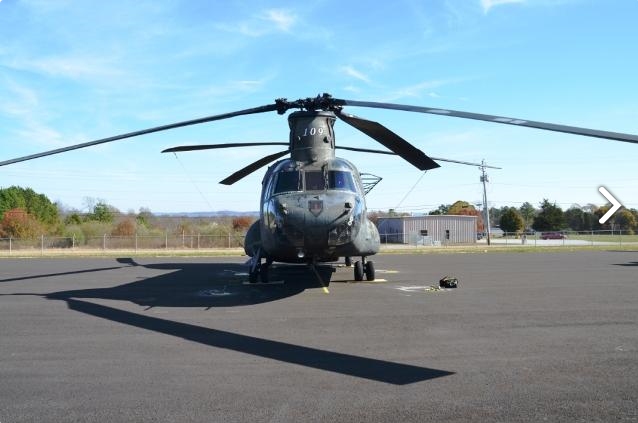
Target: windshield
[287, 181]
[339, 179]
[315, 180]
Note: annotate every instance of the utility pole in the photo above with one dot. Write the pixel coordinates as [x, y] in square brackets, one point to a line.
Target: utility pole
[486, 208]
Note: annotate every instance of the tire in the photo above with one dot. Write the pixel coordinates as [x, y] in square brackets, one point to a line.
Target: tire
[348, 261]
[263, 273]
[369, 271]
[358, 271]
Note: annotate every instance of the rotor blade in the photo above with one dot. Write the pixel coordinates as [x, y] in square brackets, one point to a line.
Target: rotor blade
[213, 146]
[261, 109]
[466, 163]
[390, 140]
[367, 150]
[252, 167]
[617, 136]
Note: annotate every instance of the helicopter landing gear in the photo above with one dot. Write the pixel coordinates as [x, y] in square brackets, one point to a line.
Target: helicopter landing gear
[253, 273]
[257, 270]
[263, 272]
[348, 261]
[358, 271]
[260, 274]
[369, 269]
[363, 267]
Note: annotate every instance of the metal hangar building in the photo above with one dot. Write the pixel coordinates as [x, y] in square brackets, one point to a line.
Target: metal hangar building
[428, 230]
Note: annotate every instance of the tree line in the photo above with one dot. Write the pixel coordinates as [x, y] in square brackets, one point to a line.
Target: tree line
[26, 214]
[549, 217]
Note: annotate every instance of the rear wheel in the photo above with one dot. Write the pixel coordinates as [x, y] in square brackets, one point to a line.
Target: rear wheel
[348, 261]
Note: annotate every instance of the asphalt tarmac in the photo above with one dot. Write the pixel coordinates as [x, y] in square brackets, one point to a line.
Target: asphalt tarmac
[525, 337]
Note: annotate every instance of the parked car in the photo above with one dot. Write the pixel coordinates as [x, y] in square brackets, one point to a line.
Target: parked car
[553, 235]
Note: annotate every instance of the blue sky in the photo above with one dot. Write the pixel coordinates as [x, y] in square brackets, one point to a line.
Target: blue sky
[73, 71]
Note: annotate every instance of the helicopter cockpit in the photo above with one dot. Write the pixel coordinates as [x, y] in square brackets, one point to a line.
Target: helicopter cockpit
[297, 180]
[313, 207]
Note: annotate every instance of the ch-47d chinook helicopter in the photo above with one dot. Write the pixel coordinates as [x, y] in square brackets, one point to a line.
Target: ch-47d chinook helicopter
[312, 205]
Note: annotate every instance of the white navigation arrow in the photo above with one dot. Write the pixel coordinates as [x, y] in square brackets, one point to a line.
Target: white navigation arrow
[615, 205]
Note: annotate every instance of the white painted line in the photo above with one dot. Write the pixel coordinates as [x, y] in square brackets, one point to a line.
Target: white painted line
[262, 283]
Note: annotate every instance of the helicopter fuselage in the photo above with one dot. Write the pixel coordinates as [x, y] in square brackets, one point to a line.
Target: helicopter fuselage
[312, 212]
[312, 204]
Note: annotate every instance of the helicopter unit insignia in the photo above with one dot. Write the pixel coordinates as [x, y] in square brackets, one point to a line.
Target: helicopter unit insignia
[315, 207]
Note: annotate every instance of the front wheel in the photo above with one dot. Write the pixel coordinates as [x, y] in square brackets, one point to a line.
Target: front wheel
[369, 271]
[253, 277]
[358, 271]
[263, 272]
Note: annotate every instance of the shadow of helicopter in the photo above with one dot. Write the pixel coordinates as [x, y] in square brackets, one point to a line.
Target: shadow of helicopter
[205, 285]
[223, 285]
[630, 264]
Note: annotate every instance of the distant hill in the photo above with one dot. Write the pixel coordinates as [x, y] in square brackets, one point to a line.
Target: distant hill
[221, 213]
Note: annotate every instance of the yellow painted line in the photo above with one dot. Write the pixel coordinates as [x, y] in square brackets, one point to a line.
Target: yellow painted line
[325, 290]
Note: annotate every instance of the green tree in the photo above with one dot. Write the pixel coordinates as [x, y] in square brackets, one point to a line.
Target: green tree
[550, 217]
[590, 221]
[511, 220]
[625, 220]
[102, 212]
[495, 215]
[575, 218]
[442, 209]
[144, 217]
[527, 212]
[73, 219]
[38, 206]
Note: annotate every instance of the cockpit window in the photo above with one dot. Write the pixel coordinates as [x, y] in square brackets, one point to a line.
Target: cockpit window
[315, 180]
[287, 181]
[339, 179]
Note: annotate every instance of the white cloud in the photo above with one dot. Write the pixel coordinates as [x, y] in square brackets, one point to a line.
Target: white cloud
[417, 90]
[19, 101]
[28, 116]
[489, 4]
[68, 67]
[354, 73]
[283, 19]
[40, 134]
[267, 22]
[236, 86]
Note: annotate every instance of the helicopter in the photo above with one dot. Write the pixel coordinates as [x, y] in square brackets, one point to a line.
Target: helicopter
[312, 204]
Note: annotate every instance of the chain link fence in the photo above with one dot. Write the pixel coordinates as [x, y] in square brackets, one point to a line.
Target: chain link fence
[45, 244]
[196, 242]
[529, 239]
